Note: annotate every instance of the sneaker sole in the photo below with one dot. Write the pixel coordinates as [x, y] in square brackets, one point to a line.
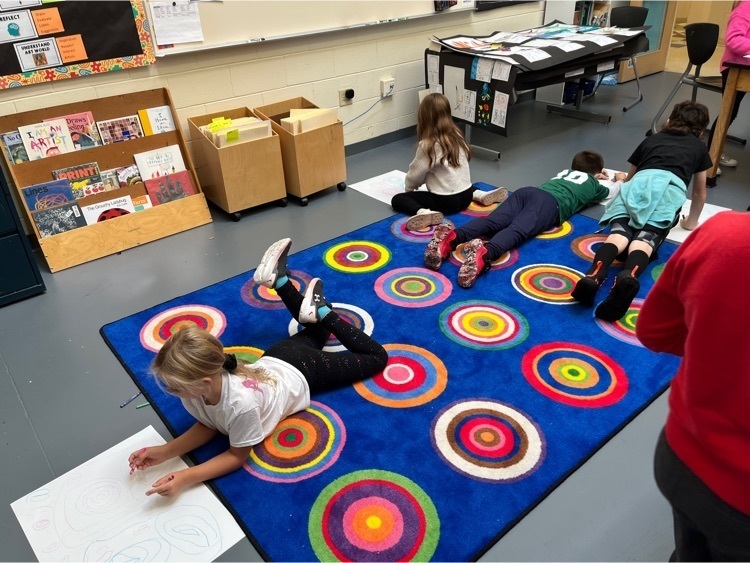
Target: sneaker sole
[308, 311]
[617, 303]
[264, 273]
[418, 222]
[585, 291]
[496, 196]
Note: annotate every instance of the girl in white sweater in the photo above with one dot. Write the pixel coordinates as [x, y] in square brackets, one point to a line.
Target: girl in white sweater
[442, 164]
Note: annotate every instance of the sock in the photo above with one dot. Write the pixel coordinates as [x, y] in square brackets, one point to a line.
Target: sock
[323, 310]
[281, 280]
[636, 263]
[605, 254]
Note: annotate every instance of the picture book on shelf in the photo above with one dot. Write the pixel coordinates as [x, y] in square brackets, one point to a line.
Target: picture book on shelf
[14, 149]
[47, 138]
[47, 194]
[128, 176]
[109, 209]
[119, 129]
[85, 179]
[82, 129]
[159, 162]
[141, 202]
[60, 219]
[169, 188]
[110, 181]
[156, 120]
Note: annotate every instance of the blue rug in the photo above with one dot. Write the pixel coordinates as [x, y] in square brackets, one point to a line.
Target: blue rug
[492, 396]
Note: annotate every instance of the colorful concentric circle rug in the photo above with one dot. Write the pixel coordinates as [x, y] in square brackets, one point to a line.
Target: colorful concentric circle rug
[491, 396]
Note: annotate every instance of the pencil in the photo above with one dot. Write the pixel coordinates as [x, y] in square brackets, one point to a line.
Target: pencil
[133, 398]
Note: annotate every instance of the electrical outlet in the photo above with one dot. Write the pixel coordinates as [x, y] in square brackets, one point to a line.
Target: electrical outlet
[346, 96]
[387, 87]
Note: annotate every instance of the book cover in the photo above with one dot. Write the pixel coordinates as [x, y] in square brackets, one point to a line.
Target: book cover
[60, 219]
[105, 210]
[14, 149]
[119, 129]
[85, 179]
[47, 194]
[142, 202]
[128, 176]
[156, 120]
[47, 138]
[159, 162]
[83, 131]
[110, 180]
[170, 187]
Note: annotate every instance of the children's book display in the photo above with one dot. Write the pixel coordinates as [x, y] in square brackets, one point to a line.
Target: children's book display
[85, 206]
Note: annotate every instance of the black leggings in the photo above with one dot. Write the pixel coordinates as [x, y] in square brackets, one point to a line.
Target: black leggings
[735, 109]
[327, 370]
[411, 202]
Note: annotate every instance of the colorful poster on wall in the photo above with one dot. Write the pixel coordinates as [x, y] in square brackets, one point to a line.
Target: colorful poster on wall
[44, 41]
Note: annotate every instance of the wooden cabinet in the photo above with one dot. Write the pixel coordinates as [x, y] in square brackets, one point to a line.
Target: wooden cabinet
[94, 241]
[19, 274]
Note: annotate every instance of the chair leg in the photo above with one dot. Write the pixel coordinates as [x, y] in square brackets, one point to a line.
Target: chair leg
[669, 99]
[638, 85]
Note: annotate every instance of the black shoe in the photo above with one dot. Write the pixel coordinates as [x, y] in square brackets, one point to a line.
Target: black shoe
[585, 290]
[618, 301]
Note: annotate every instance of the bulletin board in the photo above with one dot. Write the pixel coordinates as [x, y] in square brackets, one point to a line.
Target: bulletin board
[239, 22]
[44, 41]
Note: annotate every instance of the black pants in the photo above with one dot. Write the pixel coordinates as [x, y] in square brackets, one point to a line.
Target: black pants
[705, 527]
[526, 213]
[327, 370]
[411, 202]
[737, 101]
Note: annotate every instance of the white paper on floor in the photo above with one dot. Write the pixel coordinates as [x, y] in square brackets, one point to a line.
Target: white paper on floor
[678, 234]
[99, 512]
[382, 187]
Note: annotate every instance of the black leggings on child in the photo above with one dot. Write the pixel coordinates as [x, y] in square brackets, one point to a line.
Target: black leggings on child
[327, 370]
[411, 202]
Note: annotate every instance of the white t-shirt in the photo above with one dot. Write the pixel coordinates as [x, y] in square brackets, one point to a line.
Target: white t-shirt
[249, 411]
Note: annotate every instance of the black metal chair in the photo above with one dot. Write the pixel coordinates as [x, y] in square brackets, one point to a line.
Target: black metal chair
[630, 16]
[701, 40]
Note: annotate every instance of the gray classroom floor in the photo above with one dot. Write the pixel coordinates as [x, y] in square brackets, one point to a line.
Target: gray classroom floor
[61, 387]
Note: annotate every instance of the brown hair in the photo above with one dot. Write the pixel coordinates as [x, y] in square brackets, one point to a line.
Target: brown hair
[192, 354]
[588, 161]
[435, 126]
[688, 117]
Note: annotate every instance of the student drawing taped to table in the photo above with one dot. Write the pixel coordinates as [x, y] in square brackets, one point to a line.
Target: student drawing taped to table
[247, 401]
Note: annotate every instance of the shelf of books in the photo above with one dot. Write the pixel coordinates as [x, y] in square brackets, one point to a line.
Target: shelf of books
[97, 177]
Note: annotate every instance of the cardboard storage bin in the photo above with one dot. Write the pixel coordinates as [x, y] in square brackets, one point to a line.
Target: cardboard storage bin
[241, 175]
[314, 160]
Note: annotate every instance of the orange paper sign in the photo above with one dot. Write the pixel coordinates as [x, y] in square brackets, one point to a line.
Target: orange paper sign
[71, 48]
[47, 21]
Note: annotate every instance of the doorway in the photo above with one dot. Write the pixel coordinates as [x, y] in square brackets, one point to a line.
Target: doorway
[694, 12]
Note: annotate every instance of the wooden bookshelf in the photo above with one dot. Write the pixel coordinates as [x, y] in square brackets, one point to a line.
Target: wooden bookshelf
[90, 242]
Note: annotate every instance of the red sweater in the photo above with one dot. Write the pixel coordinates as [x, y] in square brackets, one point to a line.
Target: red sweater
[700, 309]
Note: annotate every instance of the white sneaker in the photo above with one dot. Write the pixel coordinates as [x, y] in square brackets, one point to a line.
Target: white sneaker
[729, 162]
[718, 171]
[495, 196]
[273, 263]
[423, 219]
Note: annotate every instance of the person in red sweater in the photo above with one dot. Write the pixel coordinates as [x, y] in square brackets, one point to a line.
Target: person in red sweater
[698, 310]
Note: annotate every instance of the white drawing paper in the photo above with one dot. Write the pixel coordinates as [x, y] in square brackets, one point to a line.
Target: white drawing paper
[678, 234]
[568, 46]
[483, 69]
[501, 71]
[99, 512]
[382, 187]
[500, 109]
[601, 40]
[433, 69]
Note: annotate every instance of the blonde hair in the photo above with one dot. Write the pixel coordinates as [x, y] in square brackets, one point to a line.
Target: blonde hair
[192, 354]
[435, 126]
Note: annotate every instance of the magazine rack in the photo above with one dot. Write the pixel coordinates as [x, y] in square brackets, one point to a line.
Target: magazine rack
[90, 242]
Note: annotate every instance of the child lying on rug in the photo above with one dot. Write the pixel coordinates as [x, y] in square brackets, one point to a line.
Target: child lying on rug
[442, 165]
[526, 213]
[641, 215]
[247, 401]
